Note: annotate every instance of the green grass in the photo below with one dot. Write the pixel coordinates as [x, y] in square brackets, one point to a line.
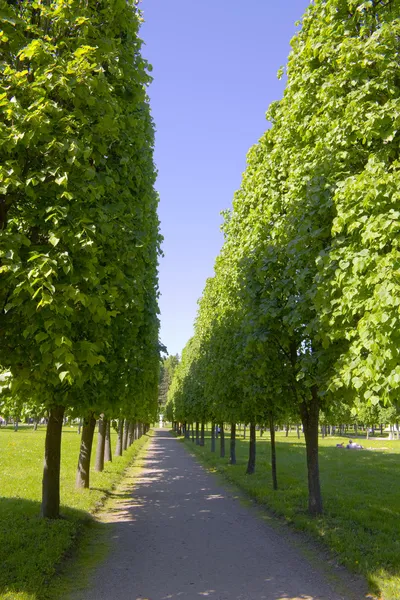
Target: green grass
[361, 494]
[32, 548]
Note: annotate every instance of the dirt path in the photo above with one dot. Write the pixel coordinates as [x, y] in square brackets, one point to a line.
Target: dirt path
[179, 535]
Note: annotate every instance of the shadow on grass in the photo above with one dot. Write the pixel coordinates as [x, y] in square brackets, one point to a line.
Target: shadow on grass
[32, 547]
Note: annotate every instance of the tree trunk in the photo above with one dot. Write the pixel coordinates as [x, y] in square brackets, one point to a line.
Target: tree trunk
[80, 426]
[35, 424]
[131, 433]
[273, 452]
[126, 434]
[197, 434]
[244, 432]
[251, 465]
[222, 442]
[101, 442]
[118, 449]
[232, 458]
[298, 432]
[51, 470]
[213, 437]
[83, 472]
[202, 434]
[16, 422]
[187, 431]
[107, 446]
[309, 415]
[287, 430]
[193, 433]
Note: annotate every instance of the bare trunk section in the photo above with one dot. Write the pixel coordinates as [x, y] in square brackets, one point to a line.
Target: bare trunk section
[107, 446]
[131, 434]
[222, 442]
[197, 434]
[51, 469]
[83, 472]
[101, 442]
[251, 465]
[202, 434]
[118, 449]
[273, 452]
[126, 434]
[193, 433]
[232, 459]
[213, 437]
[309, 415]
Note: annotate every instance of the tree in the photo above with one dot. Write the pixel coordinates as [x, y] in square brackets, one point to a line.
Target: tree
[80, 237]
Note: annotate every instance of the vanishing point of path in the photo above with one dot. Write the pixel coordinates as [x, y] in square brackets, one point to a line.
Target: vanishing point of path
[179, 535]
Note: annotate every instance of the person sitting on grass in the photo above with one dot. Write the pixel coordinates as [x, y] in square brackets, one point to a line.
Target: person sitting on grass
[353, 446]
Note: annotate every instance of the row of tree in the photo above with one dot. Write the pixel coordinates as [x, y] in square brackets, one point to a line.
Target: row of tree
[79, 229]
[302, 314]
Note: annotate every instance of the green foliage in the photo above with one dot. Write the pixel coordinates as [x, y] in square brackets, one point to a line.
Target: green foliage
[168, 366]
[79, 230]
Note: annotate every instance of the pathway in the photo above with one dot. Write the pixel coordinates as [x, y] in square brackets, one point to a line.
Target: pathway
[181, 536]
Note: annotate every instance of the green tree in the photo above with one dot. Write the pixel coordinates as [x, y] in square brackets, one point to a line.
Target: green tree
[79, 231]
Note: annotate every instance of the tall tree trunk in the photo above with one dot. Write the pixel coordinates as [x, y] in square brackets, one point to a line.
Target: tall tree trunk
[298, 432]
[101, 442]
[309, 415]
[35, 424]
[273, 452]
[126, 434]
[244, 432]
[131, 435]
[107, 446]
[193, 433]
[118, 449]
[251, 465]
[213, 437]
[222, 442]
[232, 458]
[202, 434]
[187, 431]
[287, 430]
[197, 434]
[51, 469]
[83, 472]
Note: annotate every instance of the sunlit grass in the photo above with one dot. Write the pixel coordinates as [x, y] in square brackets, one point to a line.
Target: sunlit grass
[361, 521]
[31, 548]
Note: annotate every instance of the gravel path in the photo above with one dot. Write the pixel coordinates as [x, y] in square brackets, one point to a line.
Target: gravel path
[179, 535]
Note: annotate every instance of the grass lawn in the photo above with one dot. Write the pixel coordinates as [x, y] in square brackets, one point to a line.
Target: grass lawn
[361, 494]
[31, 548]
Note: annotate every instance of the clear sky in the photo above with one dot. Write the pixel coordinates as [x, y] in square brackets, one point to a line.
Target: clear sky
[214, 68]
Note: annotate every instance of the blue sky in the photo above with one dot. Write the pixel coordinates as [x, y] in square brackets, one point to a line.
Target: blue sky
[214, 68]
